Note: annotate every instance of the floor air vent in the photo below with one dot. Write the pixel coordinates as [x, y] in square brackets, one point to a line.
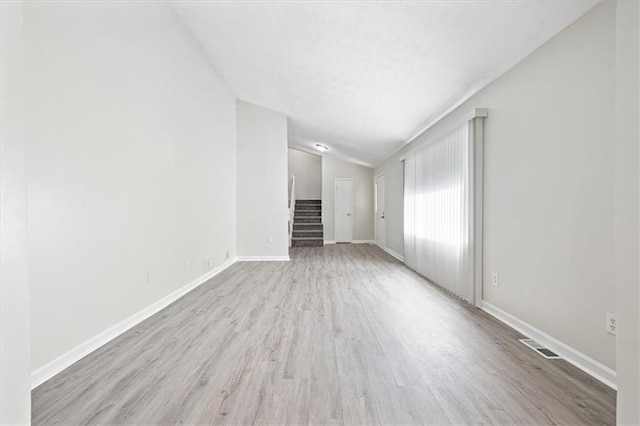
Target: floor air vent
[540, 349]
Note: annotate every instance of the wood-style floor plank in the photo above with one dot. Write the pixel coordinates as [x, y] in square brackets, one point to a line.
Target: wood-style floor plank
[342, 334]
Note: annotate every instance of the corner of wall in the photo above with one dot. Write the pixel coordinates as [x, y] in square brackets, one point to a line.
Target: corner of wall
[15, 347]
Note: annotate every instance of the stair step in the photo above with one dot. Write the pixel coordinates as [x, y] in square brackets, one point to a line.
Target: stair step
[307, 242]
[307, 233]
[307, 226]
[306, 219]
[308, 201]
[307, 213]
[308, 206]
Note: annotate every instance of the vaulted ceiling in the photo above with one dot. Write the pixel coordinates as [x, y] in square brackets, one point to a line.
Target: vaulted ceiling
[364, 77]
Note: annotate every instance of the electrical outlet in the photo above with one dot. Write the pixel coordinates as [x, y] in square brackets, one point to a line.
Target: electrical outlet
[495, 280]
[270, 239]
[226, 255]
[211, 263]
[148, 276]
[187, 264]
[205, 265]
[611, 323]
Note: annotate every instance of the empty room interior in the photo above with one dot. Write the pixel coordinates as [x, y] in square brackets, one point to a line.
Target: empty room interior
[307, 212]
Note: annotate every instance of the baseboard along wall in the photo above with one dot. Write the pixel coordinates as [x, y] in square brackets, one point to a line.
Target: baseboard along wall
[585, 363]
[393, 253]
[54, 367]
[592, 367]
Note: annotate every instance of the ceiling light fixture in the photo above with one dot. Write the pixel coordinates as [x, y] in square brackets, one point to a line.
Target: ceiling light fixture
[321, 148]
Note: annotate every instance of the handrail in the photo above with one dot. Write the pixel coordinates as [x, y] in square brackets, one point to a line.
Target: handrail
[292, 206]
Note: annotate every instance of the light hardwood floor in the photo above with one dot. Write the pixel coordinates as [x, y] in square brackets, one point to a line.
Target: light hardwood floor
[343, 334]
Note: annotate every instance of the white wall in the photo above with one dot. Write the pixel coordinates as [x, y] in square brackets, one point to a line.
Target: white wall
[15, 383]
[549, 178]
[363, 208]
[131, 150]
[307, 168]
[262, 183]
[626, 213]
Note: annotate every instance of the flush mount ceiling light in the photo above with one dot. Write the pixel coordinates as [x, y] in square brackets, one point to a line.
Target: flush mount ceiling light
[322, 148]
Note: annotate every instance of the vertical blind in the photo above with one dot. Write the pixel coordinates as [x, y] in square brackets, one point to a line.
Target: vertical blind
[438, 212]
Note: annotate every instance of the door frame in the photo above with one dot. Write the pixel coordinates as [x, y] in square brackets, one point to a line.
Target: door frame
[335, 203]
[375, 210]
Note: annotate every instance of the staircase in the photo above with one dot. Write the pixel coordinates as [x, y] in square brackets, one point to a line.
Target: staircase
[307, 224]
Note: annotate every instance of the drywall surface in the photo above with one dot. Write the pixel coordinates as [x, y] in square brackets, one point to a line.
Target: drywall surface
[131, 165]
[627, 138]
[15, 368]
[262, 182]
[549, 179]
[307, 168]
[363, 208]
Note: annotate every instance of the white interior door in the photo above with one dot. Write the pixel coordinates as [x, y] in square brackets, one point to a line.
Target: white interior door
[343, 218]
[380, 211]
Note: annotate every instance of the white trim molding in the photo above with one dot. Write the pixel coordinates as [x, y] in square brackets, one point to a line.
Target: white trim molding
[393, 253]
[589, 365]
[474, 113]
[329, 242]
[54, 367]
[263, 258]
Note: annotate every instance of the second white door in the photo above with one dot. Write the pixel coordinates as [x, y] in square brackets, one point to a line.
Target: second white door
[380, 208]
[343, 217]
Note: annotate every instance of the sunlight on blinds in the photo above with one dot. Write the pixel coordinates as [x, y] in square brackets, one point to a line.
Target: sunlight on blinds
[437, 212]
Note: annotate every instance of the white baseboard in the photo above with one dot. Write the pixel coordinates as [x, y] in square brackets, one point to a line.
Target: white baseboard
[393, 253]
[329, 242]
[589, 365]
[263, 258]
[54, 367]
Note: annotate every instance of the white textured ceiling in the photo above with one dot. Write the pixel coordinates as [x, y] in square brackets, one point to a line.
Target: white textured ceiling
[365, 77]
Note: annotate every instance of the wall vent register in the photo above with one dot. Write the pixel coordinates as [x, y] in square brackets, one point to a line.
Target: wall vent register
[540, 349]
